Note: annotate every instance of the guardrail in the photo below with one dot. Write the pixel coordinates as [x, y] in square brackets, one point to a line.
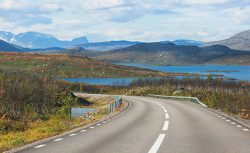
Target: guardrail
[112, 106]
[116, 104]
[180, 98]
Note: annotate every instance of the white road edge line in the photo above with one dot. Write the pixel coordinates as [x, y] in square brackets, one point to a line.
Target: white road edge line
[39, 146]
[157, 144]
[59, 139]
[73, 134]
[165, 126]
[246, 130]
[83, 130]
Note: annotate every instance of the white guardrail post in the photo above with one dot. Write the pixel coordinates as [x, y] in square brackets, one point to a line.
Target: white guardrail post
[182, 98]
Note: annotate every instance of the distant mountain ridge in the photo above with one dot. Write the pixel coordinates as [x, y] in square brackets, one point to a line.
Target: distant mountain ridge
[240, 41]
[186, 42]
[171, 54]
[36, 40]
[112, 45]
[108, 45]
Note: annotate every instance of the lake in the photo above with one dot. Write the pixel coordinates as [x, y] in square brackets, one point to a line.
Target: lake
[236, 72]
[103, 81]
[77, 112]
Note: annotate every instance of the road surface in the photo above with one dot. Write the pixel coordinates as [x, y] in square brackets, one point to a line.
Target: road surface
[153, 125]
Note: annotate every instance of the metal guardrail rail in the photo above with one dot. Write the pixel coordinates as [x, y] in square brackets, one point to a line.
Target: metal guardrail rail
[180, 98]
[116, 104]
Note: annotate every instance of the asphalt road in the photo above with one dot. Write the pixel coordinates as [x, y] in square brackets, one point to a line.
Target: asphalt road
[155, 125]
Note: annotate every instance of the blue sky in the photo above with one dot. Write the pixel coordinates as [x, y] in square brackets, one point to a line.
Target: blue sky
[142, 20]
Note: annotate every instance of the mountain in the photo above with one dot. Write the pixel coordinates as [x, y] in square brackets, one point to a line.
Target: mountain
[112, 45]
[6, 36]
[36, 40]
[185, 42]
[108, 45]
[240, 41]
[39, 40]
[4, 46]
[171, 54]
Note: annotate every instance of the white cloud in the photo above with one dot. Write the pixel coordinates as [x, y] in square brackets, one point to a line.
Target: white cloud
[26, 12]
[204, 2]
[144, 20]
[240, 15]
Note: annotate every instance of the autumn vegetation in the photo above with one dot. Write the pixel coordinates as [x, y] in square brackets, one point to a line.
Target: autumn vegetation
[34, 107]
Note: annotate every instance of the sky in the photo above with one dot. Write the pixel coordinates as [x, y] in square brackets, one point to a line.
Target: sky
[135, 20]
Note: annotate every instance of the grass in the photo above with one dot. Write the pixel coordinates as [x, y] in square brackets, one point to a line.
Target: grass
[17, 133]
[59, 65]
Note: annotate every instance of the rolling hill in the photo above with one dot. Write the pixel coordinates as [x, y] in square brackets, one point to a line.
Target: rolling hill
[60, 66]
[171, 54]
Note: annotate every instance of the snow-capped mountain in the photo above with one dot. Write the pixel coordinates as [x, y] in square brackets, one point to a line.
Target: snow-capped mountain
[39, 40]
[6, 36]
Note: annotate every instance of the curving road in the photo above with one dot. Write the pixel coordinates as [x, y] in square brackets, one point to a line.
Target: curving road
[155, 125]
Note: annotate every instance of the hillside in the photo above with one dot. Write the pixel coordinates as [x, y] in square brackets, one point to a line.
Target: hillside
[68, 66]
[112, 45]
[170, 54]
[108, 45]
[240, 41]
[4, 46]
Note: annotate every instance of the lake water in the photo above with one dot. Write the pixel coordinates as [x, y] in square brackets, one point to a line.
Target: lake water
[236, 72]
[103, 81]
[77, 112]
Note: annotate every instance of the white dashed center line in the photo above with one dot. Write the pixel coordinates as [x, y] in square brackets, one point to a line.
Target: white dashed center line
[91, 127]
[83, 131]
[157, 144]
[165, 126]
[166, 116]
